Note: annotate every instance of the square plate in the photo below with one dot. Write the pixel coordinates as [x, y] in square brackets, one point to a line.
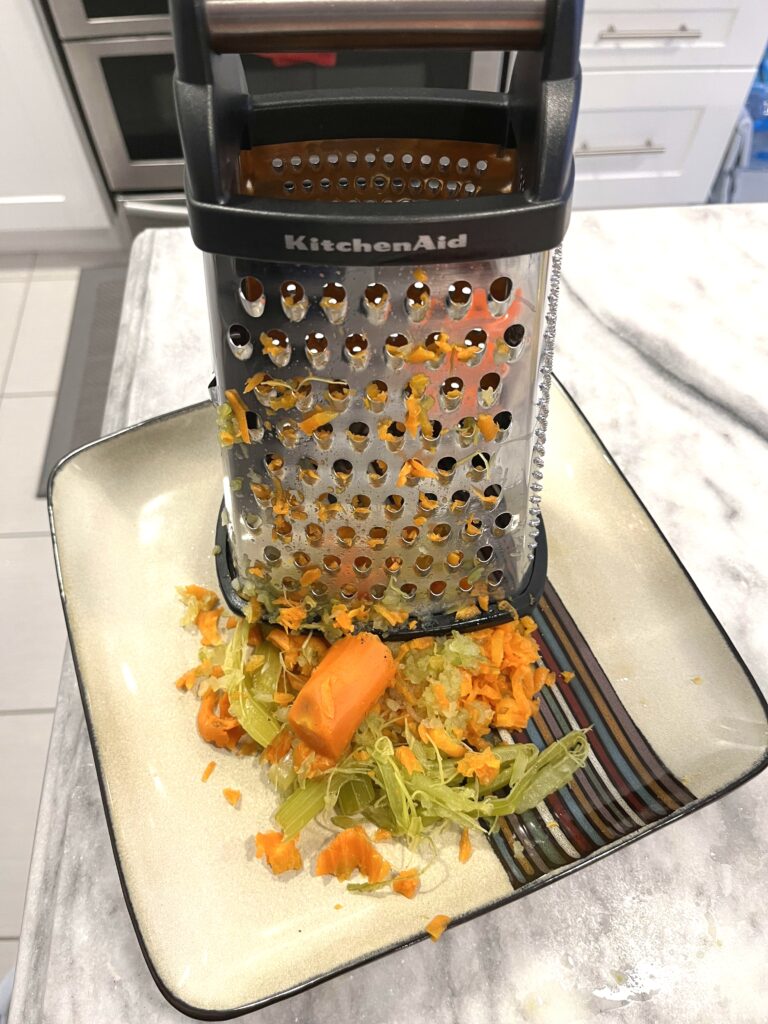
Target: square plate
[133, 516]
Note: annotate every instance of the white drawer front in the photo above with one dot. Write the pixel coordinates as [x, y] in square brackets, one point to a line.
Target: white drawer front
[654, 137]
[673, 33]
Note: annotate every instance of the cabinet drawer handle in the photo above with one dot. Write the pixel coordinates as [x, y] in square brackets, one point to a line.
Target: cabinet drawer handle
[648, 149]
[613, 34]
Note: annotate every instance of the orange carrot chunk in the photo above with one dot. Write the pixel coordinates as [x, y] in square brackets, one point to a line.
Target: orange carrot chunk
[340, 692]
[232, 796]
[352, 850]
[208, 624]
[240, 413]
[281, 854]
[437, 926]
[208, 770]
[465, 846]
[406, 883]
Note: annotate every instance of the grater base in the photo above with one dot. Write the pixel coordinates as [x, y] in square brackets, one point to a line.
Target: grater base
[521, 602]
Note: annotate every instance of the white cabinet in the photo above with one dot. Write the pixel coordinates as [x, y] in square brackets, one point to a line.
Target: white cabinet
[50, 193]
[663, 83]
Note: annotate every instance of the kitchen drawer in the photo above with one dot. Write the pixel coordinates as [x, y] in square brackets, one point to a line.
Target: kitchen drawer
[654, 137]
[673, 33]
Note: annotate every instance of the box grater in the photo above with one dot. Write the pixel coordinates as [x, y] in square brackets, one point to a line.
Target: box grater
[382, 270]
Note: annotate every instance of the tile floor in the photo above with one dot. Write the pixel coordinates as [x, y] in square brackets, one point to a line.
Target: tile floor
[37, 298]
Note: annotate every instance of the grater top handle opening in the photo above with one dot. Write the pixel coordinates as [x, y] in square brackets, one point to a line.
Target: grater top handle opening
[531, 126]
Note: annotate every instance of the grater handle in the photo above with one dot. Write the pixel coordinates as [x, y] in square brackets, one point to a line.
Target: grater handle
[244, 26]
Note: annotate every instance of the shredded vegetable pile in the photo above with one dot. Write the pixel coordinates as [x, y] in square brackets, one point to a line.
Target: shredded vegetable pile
[380, 741]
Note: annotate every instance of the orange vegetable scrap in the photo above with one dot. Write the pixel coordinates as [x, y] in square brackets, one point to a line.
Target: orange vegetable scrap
[214, 722]
[340, 692]
[381, 835]
[338, 906]
[566, 676]
[342, 617]
[484, 766]
[281, 854]
[240, 413]
[408, 760]
[352, 850]
[232, 796]
[291, 618]
[208, 770]
[310, 576]
[278, 748]
[437, 926]
[406, 883]
[441, 740]
[208, 624]
[465, 846]
[414, 468]
[317, 419]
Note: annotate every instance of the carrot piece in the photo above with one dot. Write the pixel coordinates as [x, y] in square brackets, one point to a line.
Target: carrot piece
[208, 624]
[281, 854]
[338, 906]
[437, 926]
[317, 419]
[565, 676]
[352, 850]
[281, 698]
[291, 618]
[231, 622]
[188, 680]
[381, 835]
[406, 883]
[240, 413]
[409, 761]
[483, 766]
[208, 771]
[487, 427]
[442, 741]
[310, 576]
[232, 796]
[278, 748]
[465, 846]
[340, 692]
[219, 729]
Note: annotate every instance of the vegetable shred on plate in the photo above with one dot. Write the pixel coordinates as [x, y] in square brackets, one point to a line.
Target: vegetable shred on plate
[378, 741]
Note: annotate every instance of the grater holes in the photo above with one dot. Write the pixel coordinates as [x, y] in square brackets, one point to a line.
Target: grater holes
[293, 300]
[307, 185]
[459, 299]
[262, 493]
[377, 538]
[409, 591]
[377, 472]
[484, 555]
[282, 530]
[427, 502]
[492, 494]
[314, 534]
[239, 341]
[452, 189]
[479, 465]
[446, 468]
[473, 346]
[451, 393]
[351, 158]
[502, 524]
[397, 185]
[393, 435]
[396, 348]
[318, 589]
[503, 420]
[274, 464]
[361, 184]
[495, 578]
[362, 566]
[488, 392]
[470, 188]
[444, 163]
[472, 528]
[348, 592]
[345, 536]
[454, 560]
[356, 351]
[392, 565]
[358, 435]
[466, 430]
[417, 301]
[407, 161]
[430, 434]
[409, 535]
[462, 165]
[252, 298]
[296, 162]
[465, 585]
[481, 167]
[325, 184]
[323, 436]
[437, 589]
[361, 506]
[389, 159]
[514, 335]
[459, 500]
[376, 394]
[499, 296]
[331, 564]
[278, 165]
[307, 471]
[436, 345]
[415, 186]
[393, 506]
[289, 187]
[376, 302]
[252, 523]
[272, 556]
[378, 591]
[287, 433]
[304, 396]
[342, 472]
[339, 393]
[314, 160]
[301, 560]
[343, 183]
[333, 159]
[370, 159]
[423, 564]
[334, 301]
[276, 347]
[379, 182]
[439, 533]
[425, 161]
[317, 351]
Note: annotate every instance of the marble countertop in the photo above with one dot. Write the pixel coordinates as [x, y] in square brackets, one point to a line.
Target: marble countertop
[663, 341]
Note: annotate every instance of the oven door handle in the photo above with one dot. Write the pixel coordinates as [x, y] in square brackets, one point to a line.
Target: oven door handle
[157, 211]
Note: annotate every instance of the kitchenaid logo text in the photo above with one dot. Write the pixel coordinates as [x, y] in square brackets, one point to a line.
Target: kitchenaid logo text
[424, 243]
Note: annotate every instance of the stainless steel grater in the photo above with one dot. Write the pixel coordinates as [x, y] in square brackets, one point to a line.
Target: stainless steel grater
[382, 272]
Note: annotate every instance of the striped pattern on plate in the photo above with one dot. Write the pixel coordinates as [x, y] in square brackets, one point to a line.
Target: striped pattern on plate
[623, 787]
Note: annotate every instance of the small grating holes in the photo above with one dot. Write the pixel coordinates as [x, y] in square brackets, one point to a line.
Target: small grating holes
[409, 535]
[289, 187]
[307, 185]
[358, 435]
[345, 535]
[430, 435]
[423, 564]
[473, 527]
[407, 161]
[495, 578]
[376, 302]
[339, 393]
[459, 501]
[454, 560]
[488, 392]
[451, 393]
[314, 534]
[417, 301]
[465, 586]
[356, 351]
[272, 556]
[296, 162]
[499, 296]
[491, 495]
[333, 159]
[314, 160]
[377, 538]
[439, 533]
[444, 163]
[378, 591]
[459, 299]
[332, 564]
[377, 472]
[361, 506]
[278, 165]
[348, 592]
[376, 393]
[301, 560]
[479, 465]
[276, 347]
[393, 506]
[466, 429]
[282, 530]
[334, 301]
[362, 566]
[252, 299]
[503, 420]
[428, 502]
[239, 341]
[262, 493]
[409, 591]
[446, 468]
[323, 436]
[293, 301]
[393, 564]
[437, 588]
[394, 435]
[351, 159]
[307, 471]
[274, 464]
[484, 555]
[514, 335]
[501, 524]
[473, 346]
[396, 348]
[462, 165]
[389, 159]
[316, 348]
[342, 471]
[318, 589]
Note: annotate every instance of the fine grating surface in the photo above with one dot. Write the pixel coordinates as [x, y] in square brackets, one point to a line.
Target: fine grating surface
[396, 423]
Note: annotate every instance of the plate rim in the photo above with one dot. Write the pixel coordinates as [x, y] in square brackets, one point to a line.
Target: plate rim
[201, 1013]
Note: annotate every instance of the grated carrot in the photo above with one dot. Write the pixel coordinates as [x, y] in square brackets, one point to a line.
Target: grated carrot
[406, 883]
[437, 926]
[281, 854]
[465, 846]
[232, 796]
[352, 850]
[208, 771]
